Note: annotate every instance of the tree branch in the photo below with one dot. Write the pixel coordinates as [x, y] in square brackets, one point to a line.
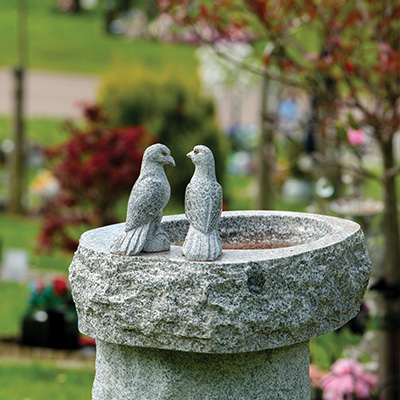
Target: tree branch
[392, 171]
[326, 160]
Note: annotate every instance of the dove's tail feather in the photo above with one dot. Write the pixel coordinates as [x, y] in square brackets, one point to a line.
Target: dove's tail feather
[131, 242]
[199, 246]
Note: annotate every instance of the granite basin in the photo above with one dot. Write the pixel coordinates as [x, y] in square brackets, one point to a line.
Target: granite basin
[282, 279]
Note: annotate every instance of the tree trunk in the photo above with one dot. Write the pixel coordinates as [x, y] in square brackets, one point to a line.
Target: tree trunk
[266, 147]
[17, 161]
[390, 312]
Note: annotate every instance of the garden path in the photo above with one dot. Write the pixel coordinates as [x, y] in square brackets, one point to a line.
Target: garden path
[49, 94]
[57, 95]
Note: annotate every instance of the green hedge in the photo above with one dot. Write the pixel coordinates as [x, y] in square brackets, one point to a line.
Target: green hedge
[172, 109]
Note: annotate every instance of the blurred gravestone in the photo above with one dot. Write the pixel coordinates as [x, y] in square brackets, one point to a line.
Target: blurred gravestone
[15, 265]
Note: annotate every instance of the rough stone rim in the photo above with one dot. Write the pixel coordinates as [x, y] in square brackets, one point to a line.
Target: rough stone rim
[338, 230]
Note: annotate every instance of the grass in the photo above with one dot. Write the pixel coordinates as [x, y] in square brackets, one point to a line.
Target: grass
[44, 381]
[78, 43]
[42, 131]
[20, 232]
[12, 306]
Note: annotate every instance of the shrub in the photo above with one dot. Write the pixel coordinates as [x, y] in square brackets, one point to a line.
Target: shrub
[171, 108]
[95, 168]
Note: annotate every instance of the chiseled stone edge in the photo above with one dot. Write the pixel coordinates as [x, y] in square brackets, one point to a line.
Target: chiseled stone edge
[166, 302]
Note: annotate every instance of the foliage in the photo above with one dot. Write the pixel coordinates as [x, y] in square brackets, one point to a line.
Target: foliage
[94, 168]
[351, 45]
[171, 108]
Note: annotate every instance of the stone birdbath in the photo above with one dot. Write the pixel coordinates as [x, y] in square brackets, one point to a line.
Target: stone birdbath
[234, 328]
[360, 209]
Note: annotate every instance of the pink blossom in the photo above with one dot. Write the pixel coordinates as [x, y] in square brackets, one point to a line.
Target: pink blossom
[316, 375]
[345, 366]
[346, 379]
[312, 56]
[356, 136]
[385, 51]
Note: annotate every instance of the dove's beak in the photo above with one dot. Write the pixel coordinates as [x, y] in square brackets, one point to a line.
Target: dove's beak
[189, 154]
[170, 161]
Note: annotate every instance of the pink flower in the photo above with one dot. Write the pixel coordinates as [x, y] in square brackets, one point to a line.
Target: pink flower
[347, 379]
[356, 137]
[316, 375]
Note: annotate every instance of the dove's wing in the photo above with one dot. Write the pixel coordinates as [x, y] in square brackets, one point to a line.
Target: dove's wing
[146, 202]
[203, 205]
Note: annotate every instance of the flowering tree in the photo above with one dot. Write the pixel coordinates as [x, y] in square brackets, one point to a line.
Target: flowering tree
[347, 54]
[94, 169]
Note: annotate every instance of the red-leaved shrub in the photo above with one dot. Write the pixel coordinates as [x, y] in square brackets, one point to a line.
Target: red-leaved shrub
[95, 167]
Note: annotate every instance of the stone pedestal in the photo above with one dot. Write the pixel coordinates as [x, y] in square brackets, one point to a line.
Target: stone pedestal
[139, 373]
[235, 328]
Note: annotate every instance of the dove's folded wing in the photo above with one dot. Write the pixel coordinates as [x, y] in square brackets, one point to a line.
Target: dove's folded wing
[203, 205]
[146, 202]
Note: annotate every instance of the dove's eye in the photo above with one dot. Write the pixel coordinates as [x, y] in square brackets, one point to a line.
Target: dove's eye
[196, 151]
[164, 153]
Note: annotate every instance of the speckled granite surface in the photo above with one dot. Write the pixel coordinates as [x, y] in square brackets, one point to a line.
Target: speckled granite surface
[246, 300]
[127, 373]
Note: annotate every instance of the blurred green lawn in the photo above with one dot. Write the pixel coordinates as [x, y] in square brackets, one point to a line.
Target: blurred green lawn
[12, 307]
[44, 381]
[78, 43]
[43, 131]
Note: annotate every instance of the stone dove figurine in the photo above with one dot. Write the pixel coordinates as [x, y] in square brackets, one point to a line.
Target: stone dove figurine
[203, 207]
[149, 196]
